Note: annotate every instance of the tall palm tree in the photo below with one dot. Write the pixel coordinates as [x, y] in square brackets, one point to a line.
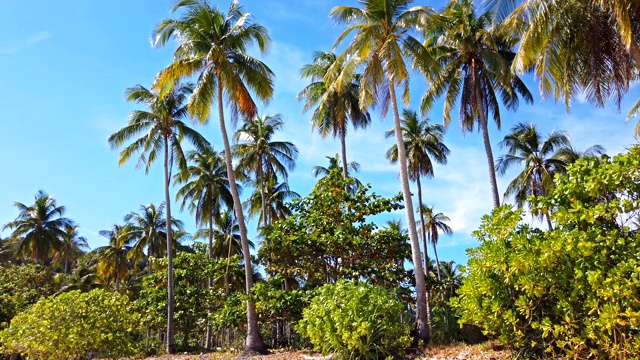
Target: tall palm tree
[276, 198]
[38, 229]
[260, 155]
[73, 246]
[161, 129]
[526, 146]
[149, 229]
[380, 45]
[113, 259]
[334, 109]
[473, 67]
[422, 142]
[206, 190]
[436, 223]
[214, 45]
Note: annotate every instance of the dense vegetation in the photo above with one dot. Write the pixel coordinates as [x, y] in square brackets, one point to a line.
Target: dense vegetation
[324, 273]
[568, 291]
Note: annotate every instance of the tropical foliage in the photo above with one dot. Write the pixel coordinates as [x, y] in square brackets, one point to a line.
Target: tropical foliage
[335, 269]
[73, 325]
[329, 237]
[569, 291]
[356, 321]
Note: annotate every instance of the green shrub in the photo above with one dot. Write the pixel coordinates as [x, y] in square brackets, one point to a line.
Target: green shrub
[72, 325]
[356, 321]
[572, 291]
[21, 286]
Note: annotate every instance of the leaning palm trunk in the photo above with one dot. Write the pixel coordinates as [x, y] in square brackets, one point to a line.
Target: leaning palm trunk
[423, 329]
[424, 246]
[170, 341]
[254, 340]
[490, 162]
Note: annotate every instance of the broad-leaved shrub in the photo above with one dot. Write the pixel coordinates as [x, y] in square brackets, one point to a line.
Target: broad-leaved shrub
[73, 325]
[356, 321]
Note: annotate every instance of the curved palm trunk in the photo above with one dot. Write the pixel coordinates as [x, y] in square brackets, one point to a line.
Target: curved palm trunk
[254, 340]
[490, 162]
[424, 246]
[209, 336]
[170, 341]
[421, 303]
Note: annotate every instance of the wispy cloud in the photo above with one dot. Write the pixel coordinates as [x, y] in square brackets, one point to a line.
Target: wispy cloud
[24, 44]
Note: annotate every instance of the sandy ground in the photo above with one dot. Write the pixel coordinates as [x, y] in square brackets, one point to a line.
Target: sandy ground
[486, 351]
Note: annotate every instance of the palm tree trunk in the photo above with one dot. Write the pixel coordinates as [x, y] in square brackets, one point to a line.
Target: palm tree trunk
[209, 335]
[149, 252]
[263, 194]
[435, 253]
[548, 216]
[424, 246]
[422, 227]
[170, 341]
[490, 162]
[254, 340]
[421, 303]
[343, 144]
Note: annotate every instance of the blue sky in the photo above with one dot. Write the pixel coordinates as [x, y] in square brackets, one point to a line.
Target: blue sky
[65, 65]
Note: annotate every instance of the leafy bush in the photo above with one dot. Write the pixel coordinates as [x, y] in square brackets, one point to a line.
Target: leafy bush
[330, 236]
[21, 286]
[356, 321]
[572, 291]
[72, 325]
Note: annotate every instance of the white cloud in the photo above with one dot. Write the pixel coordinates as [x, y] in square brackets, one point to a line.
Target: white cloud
[25, 44]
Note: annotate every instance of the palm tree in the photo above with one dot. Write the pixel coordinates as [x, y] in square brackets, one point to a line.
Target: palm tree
[149, 229]
[335, 109]
[473, 65]
[526, 146]
[381, 42]
[263, 157]
[161, 129]
[214, 45]
[336, 163]
[422, 141]
[38, 229]
[113, 259]
[73, 246]
[276, 197]
[435, 223]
